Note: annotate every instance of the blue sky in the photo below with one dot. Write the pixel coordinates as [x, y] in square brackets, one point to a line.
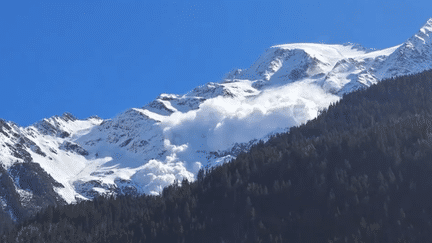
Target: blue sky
[103, 57]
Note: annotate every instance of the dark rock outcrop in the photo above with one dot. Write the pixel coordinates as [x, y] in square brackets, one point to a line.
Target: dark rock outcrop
[73, 147]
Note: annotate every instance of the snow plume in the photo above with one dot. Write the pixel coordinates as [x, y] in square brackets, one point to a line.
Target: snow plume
[221, 122]
[155, 175]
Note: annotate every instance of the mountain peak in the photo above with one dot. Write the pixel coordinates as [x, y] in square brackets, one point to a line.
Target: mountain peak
[412, 56]
[426, 30]
[67, 116]
[422, 37]
[428, 23]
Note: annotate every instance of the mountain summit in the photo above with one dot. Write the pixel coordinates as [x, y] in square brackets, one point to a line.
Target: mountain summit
[423, 37]
[412, 56]
[144, 149]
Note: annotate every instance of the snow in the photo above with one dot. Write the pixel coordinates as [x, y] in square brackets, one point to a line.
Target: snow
[64, 167]
[378, 53]
[221, 122]
[3, 203]
[151, 115]
[324, 51]
[155, 175]
[167, 104]
[100, 190]
[7, 158]
[25, 196]
[176, 135]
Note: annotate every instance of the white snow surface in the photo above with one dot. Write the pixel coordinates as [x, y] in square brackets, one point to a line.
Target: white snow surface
[176, 135]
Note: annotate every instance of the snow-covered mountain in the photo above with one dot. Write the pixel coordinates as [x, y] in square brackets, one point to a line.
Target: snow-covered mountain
[64, 159]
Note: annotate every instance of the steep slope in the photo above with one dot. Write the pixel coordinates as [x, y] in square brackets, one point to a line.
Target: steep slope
[412, 56]
[142, 150]
[39, 161]
[360, 172]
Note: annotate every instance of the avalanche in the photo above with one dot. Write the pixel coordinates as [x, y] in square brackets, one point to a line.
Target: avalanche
[142, 150]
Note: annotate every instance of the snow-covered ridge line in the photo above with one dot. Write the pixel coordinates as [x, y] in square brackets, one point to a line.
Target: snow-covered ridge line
[144, 149]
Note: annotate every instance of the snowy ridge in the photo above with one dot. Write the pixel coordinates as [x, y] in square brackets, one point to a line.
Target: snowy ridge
[142, 150]
[412, 56]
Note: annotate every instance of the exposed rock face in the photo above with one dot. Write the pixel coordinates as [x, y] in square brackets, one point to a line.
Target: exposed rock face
[73, 147]
[10, 203]
[31, 178]
[26, 188]
[54, 126]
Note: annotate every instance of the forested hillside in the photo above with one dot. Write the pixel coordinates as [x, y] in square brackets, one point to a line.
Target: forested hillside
[360, 172]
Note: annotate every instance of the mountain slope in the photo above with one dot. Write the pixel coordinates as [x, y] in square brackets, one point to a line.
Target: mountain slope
[360, 172]
[142, 150]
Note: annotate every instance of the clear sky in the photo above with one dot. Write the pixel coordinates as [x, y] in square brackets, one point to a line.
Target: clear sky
[103, 57]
